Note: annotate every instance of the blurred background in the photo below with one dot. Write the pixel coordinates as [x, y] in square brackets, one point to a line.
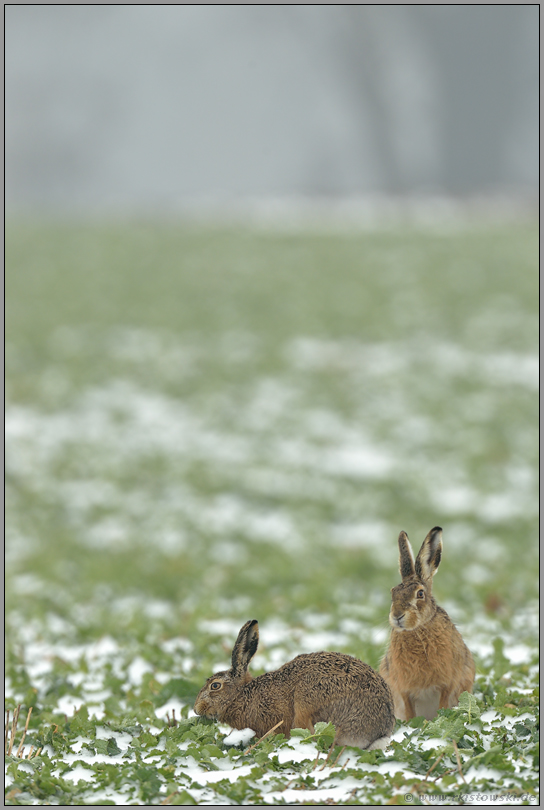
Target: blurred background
[212, 420]
[158, 109]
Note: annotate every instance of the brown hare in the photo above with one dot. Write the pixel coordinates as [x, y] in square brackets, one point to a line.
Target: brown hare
[427, 664]
[313, 687]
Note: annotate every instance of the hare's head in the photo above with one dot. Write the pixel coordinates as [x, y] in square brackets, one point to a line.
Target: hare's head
[221, 689]
[412, 602]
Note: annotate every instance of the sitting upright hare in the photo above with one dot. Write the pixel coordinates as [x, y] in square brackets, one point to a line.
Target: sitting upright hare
[427, 664]
[313, 687]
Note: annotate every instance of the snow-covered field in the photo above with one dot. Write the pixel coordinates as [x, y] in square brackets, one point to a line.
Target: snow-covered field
[208, 761]
[167, 482]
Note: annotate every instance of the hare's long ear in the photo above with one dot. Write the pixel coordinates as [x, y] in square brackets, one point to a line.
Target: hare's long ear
[428, 559]
[245, 648]
[406, 557]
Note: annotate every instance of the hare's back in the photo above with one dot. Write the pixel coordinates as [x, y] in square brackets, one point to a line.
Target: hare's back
[339, 669]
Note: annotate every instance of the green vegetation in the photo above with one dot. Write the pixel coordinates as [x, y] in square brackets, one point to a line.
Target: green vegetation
[209, 425]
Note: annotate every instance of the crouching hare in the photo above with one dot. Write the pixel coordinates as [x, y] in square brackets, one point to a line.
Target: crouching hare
[427, 664]
[313, 687]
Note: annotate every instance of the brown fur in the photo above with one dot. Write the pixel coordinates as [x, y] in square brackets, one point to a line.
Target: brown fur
[313, 687]
[427, 664]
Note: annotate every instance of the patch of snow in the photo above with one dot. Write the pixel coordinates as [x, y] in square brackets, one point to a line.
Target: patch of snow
[122, 738]
[518, 653]
[200, 777]
[480, 772]
[432, 742]
[320, 795]
[109, 795]
[137, 670]
[239, 737]
[80, 772]
[172, 706]
[69, 704]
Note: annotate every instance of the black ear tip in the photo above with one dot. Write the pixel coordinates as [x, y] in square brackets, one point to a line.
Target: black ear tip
[436, 529]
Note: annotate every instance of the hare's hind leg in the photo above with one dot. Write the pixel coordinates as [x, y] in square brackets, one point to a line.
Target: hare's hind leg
[302, 719]
[404, 706]
[447, 698]
[360, 740]
[354, 730]
[381, 743]
[469, 673]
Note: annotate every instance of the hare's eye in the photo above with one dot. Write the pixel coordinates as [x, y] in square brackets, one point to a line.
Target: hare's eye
[216, 685]
[421, 594]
